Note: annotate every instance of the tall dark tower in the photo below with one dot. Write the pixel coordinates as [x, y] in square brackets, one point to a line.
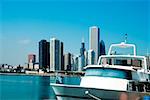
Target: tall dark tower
[82, 49]
[62, 56]
[102, 48]
[44, 54]
[81, 57]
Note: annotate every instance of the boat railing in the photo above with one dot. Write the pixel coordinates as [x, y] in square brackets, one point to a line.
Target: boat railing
[123, 45]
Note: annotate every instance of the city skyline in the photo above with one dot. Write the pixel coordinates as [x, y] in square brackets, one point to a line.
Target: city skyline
[25, 23]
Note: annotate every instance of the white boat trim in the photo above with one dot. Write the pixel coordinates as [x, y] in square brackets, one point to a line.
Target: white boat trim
[111, 66]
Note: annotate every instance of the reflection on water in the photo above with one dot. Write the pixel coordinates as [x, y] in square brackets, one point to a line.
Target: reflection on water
[29, 87]
[44, 87]
[45, 90]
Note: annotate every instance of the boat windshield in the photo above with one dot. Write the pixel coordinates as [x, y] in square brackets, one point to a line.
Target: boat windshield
[123, 61]
[108, 72]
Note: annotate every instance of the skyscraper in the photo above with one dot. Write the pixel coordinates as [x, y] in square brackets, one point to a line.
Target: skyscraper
[67, 62]
[102, 48]
[73, 68]
[94, 41]
[44, 55]
[62, 56]
[82, 49]
[31, 58]
[86, 58]
[55, 57]
[81, 57]
[31, 61]
[80, 63]
[91, 56]
[76, 63]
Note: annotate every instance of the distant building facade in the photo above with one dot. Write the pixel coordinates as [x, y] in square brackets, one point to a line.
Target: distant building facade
[91, 57]
[102, 48]
[76, 63]
[85, 58]
[94, 37]
[36, 66]
[67, 62]
[82, 49]
[55, 55]
[80, 63]
[31, 61]
[73, 65]
[31, 58]
[62, 56]
[81, 58]
[44, 54]
[31, 66]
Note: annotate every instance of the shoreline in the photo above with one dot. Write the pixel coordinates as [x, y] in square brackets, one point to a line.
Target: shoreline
[45, 74]
[24, 74]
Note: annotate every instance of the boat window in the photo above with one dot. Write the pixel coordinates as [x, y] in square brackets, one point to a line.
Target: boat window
[122, 61]
[108, 72]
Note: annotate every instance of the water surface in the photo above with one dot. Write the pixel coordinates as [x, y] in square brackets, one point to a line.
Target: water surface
[30, 87]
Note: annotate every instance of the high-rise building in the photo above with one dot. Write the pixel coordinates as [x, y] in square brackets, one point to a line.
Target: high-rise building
[55, 55]
[31, 58]
[31, 61]
[102, 48]
[76, 63]
[44, 55]
[67, 62]
[81, 58]
[73, 67]
[91, 56]
[62, 56]
[86, 58]
[94, 41]
[80, 64]
[82, 49]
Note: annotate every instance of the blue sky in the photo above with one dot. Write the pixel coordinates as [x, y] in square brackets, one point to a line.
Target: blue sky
[23, 23]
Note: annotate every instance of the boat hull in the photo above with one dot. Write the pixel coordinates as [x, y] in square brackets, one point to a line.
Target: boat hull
[73, 92]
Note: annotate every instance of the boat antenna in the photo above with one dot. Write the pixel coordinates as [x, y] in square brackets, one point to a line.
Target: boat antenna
[125, 38]
[82, 40]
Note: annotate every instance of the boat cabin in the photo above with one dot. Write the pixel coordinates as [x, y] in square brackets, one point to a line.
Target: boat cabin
[121, 78]
[136, 62]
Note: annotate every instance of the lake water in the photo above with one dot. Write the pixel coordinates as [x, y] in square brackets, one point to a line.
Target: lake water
[30, 87]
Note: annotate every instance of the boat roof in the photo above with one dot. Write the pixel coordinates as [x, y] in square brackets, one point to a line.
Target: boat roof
[129, 56]
[110, 66]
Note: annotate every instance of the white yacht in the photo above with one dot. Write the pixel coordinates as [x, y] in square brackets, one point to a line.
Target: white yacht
[115, 77]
